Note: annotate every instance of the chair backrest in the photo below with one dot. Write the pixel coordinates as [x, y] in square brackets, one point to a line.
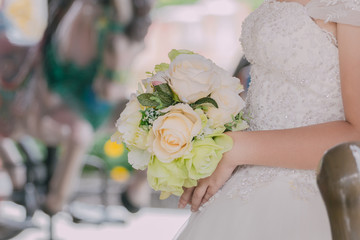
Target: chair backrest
[339, 183]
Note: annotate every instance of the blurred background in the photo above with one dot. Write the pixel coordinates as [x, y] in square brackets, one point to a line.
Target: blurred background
[67, 69]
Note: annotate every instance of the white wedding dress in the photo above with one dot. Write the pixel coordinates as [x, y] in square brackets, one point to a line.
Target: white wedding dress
[295, 82]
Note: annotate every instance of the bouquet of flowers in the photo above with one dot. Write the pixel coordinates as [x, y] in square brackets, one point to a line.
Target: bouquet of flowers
[174, 126]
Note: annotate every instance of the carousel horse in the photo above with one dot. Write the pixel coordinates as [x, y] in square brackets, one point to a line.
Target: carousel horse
[86, 51]
[19, 50]
[339, 183]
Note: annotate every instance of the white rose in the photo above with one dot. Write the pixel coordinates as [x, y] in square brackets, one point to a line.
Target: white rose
[230, 104]
[174, 131]
[193, 77]
[128, 130]
[117, 137]
[228, 81]
[138, 158]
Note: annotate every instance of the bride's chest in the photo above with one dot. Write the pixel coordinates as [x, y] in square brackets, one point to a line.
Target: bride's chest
[279, 33]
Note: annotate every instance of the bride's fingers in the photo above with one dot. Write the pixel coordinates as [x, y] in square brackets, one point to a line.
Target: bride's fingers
[208, 195]
[186, 197]
[197, 197]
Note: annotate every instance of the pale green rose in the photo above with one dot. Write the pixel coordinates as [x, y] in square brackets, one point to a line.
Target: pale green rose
[128, 130]
[168, 177]
[193, 77]
[174, 131]
[206, 154]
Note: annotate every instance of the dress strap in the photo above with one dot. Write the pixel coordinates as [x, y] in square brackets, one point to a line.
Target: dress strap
[340, 11]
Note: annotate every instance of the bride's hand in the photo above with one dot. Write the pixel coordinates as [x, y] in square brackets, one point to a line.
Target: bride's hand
[207, 187]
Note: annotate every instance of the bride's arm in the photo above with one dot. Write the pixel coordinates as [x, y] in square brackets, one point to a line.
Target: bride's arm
[300, 148]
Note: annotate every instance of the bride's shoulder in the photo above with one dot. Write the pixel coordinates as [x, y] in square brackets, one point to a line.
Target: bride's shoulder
[340, 11]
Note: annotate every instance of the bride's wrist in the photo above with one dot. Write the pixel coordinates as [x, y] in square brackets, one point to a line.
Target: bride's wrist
[236, 155]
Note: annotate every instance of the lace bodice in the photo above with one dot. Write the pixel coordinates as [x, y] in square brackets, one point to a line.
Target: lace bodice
[295, 74]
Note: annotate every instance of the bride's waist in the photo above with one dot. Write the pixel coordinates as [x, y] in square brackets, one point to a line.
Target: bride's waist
[246, 180]
[276, 171]
[284, 115]
[262, 174]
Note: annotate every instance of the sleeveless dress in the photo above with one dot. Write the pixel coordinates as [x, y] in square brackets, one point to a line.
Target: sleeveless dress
[295, 82]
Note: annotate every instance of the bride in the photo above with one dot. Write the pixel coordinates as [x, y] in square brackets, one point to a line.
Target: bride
[304, 98]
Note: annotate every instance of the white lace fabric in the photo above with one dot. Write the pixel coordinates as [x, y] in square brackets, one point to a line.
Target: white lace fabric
[340, 11]
[295, 77]
[294, 82]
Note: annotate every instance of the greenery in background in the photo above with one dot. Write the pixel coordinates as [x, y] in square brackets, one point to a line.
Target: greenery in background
[111, 160]
[162, 3]
[253, 3]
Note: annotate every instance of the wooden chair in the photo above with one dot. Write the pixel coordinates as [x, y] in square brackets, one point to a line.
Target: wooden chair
[339, 183]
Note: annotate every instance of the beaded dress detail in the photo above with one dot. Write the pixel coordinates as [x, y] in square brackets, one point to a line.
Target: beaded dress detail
[295, 82]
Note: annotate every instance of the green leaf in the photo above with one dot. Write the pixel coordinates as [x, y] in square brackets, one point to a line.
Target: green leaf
[176, 98]
[161, 67]
[237, 124]
[206, 100]
[147, 100]
[163, 99]
[174, 53]
[164, 94]
[164, 88]
[156, 98]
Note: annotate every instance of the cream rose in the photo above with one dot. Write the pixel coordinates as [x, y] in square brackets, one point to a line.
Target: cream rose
[174, 131]
[228, 81]
[128, 130]
[230, 104]
[193, 77]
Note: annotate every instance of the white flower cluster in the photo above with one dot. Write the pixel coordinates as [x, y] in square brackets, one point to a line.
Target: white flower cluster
[150, 115]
